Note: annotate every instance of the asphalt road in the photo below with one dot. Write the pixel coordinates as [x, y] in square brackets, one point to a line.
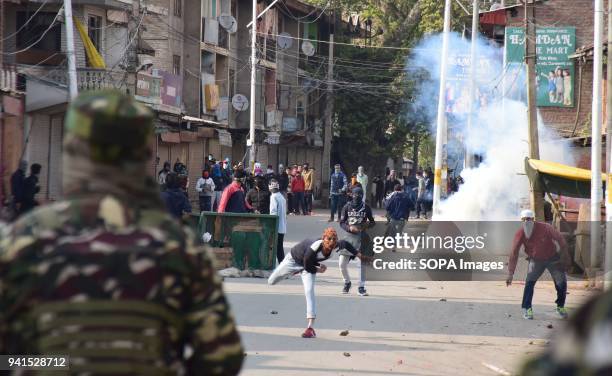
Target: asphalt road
[408, 328]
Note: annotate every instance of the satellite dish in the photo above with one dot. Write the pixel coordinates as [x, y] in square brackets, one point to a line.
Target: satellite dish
[284, 40]
[240, 102]
[308, 48]
[228, 23]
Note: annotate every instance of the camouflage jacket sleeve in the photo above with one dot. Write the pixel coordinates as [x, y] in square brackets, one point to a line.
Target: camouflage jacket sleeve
[582, 347]
[210, 325]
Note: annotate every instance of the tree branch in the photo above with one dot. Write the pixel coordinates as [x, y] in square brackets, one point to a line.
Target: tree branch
[411, 21]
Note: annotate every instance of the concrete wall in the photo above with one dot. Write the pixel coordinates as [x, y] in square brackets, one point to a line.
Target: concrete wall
[191, 57]
[164, 32]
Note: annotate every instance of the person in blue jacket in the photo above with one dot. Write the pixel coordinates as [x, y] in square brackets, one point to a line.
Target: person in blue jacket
[337, 190]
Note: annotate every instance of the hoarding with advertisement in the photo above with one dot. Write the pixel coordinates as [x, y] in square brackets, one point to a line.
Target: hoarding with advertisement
[554, 69]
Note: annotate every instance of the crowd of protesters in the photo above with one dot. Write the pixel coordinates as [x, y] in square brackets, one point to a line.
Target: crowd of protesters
[418, 189]
[226, 187]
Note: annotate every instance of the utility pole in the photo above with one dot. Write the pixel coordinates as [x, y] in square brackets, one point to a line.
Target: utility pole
[253, 24]
[251, 141]
[329, 113]
[469, 155]
[608, 247]
[537, 198]
[441, 121]
[596, 188]
[72, 74]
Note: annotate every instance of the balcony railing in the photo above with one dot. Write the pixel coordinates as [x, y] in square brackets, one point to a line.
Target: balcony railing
[9, 80]
[87, 79]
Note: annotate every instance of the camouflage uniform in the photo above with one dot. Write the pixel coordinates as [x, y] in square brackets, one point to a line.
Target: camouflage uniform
[122, 283]
[584, 347]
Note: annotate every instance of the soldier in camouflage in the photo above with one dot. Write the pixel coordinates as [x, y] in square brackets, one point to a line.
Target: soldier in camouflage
[583, 347]
[106, 276]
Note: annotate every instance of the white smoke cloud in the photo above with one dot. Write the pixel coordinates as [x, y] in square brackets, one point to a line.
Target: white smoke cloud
[497, 188]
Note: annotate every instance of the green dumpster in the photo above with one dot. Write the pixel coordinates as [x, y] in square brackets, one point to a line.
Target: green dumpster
[247, 240]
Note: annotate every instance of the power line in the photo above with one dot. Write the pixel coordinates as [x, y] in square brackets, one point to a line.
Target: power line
[308, 15]
[344, 44]
[27, 21]
[129, 44]
[39, 39]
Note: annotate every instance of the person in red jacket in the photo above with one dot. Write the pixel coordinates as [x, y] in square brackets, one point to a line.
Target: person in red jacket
[298, 187]
[233, 196]
[546, 250]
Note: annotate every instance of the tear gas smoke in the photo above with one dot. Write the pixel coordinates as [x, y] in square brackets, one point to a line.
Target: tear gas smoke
[498, 187]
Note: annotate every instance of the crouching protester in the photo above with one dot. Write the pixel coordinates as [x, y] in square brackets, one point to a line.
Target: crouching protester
[546, 250]
[306, 258]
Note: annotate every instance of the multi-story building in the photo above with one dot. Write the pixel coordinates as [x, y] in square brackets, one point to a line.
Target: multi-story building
[187, 60]
[289, 105]
[35, 42]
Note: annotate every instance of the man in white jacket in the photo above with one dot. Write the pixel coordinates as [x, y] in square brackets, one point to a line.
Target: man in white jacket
[206, 189]
[278, 206]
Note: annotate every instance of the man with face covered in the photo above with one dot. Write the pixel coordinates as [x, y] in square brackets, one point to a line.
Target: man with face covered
[356, 218]
[258, 198]
[546, 250]
[233, 197]
[306, 258]
[105, 275]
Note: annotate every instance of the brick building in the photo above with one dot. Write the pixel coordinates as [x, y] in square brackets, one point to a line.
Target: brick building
[574, 122]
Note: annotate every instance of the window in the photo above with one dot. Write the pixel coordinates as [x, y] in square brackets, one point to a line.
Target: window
[37, 29]
[209, 8]
[94, 30]
[178, 8]
[176, 65]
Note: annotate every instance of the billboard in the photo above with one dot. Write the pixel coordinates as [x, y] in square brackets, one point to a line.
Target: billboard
[554, 69]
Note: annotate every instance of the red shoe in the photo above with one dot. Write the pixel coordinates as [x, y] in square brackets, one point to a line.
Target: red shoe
[309, 333]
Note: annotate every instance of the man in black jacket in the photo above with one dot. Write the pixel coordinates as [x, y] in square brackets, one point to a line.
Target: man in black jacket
[258, 198]
[176, 202]
[30, 189]
[355, 220]
[307, 258]
[283, 184]
[17, 180]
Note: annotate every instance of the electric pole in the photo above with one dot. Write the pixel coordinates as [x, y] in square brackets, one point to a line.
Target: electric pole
[329, 113]
[72, 74]
[596, 187]
[469, 155]
[608, 253]
[537, 198]
[251, 141]
[441, 121]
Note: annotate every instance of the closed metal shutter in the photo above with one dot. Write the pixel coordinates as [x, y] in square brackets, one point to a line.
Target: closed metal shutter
[215, 148]
[38, 151]
[55, 157]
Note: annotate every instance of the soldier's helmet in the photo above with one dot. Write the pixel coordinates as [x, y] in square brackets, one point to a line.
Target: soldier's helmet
[113, 125]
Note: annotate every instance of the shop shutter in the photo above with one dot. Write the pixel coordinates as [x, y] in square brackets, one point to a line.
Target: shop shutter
[195, 166]
[38, 151]
[215, 148]
[55, 157]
